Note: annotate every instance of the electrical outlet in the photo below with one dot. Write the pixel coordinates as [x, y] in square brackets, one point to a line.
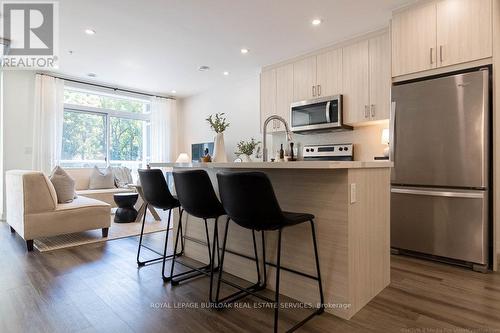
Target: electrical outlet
[353, 193]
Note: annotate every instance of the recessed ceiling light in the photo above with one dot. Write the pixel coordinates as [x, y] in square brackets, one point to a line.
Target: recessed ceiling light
[92, 75]
[173, 91]
[203, 68]
[244, 51]
[90, 31]
[316, 21]
[226, 73]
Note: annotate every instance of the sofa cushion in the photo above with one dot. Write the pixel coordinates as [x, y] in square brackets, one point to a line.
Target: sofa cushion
[82, 202]
[63, 184]
[110, 191]
[101, 179]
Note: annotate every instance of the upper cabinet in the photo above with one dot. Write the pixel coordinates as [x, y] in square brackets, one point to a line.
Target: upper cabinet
[356, 98]
[284, 94]
[464, 31]
[304, 79]
[267, 95]
[414, 40]
[441, 33]
[276, 95]
[360, 71]
[367, 80]
[329, 73]
[317, 76]
[380, 76]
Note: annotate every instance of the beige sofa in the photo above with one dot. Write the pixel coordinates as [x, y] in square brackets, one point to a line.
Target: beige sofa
[82, 180]
[33, 211]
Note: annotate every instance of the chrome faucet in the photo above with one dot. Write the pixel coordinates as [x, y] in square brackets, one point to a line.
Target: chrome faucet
[264, 134]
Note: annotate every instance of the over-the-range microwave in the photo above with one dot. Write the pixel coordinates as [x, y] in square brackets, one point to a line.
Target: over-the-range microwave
[318, 115]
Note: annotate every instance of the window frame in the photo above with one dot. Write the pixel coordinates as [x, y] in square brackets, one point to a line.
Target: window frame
[108, 113]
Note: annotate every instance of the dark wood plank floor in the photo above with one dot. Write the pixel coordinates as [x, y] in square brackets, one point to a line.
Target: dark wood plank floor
[98, 288]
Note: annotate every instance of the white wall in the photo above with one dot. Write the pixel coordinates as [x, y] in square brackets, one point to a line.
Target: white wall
[17, 120]
[239, 101]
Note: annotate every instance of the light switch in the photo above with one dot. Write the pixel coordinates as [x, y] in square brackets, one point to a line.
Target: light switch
[353, 193]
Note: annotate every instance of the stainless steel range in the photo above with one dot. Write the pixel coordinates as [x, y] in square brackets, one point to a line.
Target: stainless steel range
[330, 152]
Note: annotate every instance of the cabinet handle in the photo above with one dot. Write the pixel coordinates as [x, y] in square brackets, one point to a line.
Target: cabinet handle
[441, 53]
[431, 55]
[372, 110]
[319, 90]
[314, 91]
[367, 112]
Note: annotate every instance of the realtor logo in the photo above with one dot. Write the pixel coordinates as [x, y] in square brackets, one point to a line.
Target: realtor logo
[32, 29]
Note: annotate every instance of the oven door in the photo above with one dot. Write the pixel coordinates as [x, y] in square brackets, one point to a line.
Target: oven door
[322, 113]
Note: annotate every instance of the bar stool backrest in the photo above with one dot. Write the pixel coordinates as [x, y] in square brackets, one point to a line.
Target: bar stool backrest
[196, 194]
[249, 200]
[156, 192]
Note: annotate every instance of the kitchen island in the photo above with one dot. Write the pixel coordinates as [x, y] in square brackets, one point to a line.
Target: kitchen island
[351, 203]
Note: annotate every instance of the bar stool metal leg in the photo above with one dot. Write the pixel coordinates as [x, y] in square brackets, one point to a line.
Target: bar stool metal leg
[277, 293]
[243, 292]
[194, 271]
[143, 263]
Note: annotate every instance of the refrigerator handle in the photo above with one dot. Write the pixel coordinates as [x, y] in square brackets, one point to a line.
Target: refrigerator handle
[434, 193]
[392, 133]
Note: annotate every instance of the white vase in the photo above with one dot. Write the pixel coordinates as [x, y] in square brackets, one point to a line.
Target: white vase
[245, 158]
[219, 149]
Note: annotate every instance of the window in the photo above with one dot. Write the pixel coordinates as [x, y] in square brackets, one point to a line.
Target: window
[103, 129]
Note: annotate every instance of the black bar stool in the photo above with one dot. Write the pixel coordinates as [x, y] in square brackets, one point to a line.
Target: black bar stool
[249, 200]
[197, 197]
[156, 194]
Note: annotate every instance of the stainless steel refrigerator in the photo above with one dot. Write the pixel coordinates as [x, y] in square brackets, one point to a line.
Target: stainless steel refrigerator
[440, 145]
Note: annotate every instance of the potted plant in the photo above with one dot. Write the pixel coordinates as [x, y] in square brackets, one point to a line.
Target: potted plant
[219, 124]
[246, 149]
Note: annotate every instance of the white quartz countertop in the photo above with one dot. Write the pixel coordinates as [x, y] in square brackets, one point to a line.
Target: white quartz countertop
[281, 165]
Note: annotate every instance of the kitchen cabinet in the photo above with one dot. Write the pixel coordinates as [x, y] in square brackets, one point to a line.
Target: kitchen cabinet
[329, 73]
[464, 31]
[441, 33]
[284, 94]
[366, 82]
[276, 91]
[414, 40]
[355, 74]
[379, 55]
[318, 76]
[267, 96]
[304, 79]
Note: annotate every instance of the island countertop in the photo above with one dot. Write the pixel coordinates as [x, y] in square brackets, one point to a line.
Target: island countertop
[281, 165]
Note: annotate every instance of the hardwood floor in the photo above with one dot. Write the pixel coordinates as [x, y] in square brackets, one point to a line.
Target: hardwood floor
[98, 288]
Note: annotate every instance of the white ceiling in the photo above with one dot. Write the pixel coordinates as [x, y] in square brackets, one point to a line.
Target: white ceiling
[157, 46]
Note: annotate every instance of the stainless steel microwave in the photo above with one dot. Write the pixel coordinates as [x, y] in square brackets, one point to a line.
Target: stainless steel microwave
[318, 115]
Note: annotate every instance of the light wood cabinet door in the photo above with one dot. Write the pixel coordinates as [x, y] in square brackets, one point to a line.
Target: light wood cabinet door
[329, 73]
[284, 93]
[464, 31]
[380, 76]
[304, 79]
[414, 39]
[355, 83]
[267, 97]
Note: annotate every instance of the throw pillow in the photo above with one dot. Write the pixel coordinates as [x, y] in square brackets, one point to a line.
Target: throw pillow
[123, 176]
[101, 179]
[63, 184]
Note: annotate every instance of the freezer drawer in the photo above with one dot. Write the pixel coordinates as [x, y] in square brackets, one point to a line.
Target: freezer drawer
[449, 223]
